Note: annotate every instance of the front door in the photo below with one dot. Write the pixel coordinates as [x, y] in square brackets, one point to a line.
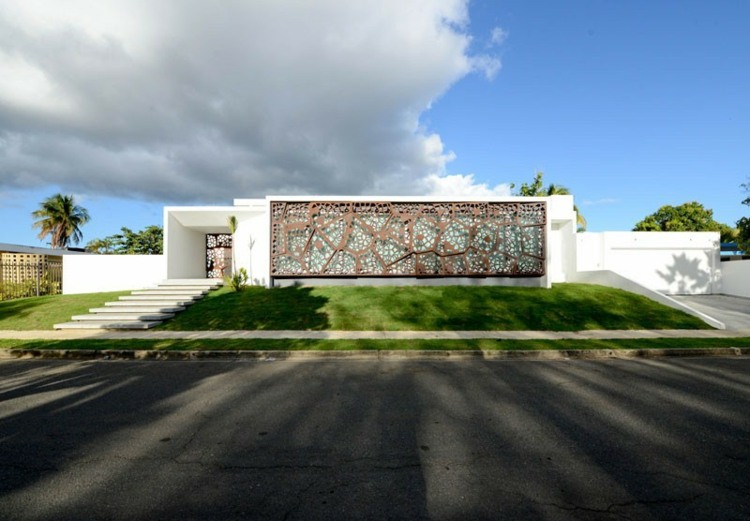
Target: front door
[218, 255]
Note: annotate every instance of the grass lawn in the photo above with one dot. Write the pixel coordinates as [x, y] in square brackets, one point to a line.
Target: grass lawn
[43, 312]
[371, 345]
[564, 307]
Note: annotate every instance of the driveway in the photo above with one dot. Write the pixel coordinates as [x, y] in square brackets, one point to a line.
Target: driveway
[733, 311]
[614, 439]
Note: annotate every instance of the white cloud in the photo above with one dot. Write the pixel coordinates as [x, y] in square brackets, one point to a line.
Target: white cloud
[186, 100]
[465, 185]
[489, 65]
[498, 36]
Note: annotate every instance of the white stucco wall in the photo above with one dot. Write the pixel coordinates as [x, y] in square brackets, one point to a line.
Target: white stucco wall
[252, 247]
[96, 273]
[670, 262]
[184, 249]
[735, 277]
[561, 244]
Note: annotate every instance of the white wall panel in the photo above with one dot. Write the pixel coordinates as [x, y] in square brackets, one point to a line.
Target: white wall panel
[97, 273]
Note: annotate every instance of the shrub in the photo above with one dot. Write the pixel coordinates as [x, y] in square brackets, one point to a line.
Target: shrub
[238, 281]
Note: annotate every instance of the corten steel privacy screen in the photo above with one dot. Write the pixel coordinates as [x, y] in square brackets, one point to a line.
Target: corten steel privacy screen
[395, 239]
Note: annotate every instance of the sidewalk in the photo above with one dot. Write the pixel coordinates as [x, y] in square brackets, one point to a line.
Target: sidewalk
[377, 354]
[375, 335]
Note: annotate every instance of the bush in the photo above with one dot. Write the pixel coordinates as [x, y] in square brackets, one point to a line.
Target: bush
[28, 288]
[743, 237]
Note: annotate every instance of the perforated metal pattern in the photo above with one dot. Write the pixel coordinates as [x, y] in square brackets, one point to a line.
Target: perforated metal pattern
[334, 239]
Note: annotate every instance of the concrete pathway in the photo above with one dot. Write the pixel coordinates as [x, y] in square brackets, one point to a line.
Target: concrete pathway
[384, 335]
[733, 311]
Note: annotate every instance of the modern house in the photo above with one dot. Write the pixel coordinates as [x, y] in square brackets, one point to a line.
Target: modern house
[420, 240]
[282, 240]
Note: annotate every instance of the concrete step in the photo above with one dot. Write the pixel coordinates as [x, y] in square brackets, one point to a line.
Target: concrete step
[144, 309]
[155, 303]
[161, 291]
[185, 288]
[123, 316]
[138, 309]
[192, 282]
[108, 324]
[163, 298]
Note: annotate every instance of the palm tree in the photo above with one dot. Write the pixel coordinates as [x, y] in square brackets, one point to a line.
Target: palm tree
[59, 217]
[553, 189]
[537, 189]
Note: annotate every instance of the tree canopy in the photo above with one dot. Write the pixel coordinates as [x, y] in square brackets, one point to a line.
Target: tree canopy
[537, 189]
[61, 219]
[743, 225]
[148, 241]
[687, 217]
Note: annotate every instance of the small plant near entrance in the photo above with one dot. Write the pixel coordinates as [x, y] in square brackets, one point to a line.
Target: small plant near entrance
[238, 280]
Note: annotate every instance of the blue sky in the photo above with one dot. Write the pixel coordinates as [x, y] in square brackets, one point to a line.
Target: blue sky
[631, 105]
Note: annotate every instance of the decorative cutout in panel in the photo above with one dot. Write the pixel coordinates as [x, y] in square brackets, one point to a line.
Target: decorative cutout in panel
[218, 255]
[366, 239]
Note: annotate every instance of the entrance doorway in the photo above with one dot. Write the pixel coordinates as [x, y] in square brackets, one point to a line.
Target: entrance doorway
[218, 255]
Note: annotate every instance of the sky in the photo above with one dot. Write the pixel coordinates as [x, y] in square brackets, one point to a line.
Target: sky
[133, 105]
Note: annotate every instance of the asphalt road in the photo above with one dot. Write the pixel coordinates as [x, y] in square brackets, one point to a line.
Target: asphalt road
[612, 439]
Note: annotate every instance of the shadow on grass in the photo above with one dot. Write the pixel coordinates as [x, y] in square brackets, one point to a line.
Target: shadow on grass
[255, 308]
[567, 307]
[43, 312]
[17, 308]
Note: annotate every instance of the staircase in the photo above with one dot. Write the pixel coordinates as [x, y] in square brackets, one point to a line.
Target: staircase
[144, 309]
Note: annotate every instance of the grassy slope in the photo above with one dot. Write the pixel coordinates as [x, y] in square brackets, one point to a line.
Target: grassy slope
[565, 307]
[43, 312]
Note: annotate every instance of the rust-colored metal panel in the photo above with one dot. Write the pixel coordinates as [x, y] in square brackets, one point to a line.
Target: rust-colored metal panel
[395, 239]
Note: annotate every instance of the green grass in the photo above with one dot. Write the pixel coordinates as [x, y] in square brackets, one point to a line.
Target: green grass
[564, 307]
[35, 313]
[371, 345]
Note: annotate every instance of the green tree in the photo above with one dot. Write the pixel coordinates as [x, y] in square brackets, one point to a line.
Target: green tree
[148, 241]
[61, 219]
[743, 234]
[728, 234]
[102, 246]
[743, 225]
[537, 189]
[687, 217]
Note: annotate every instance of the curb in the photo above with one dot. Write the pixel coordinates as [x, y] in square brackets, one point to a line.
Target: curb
[569, 354]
